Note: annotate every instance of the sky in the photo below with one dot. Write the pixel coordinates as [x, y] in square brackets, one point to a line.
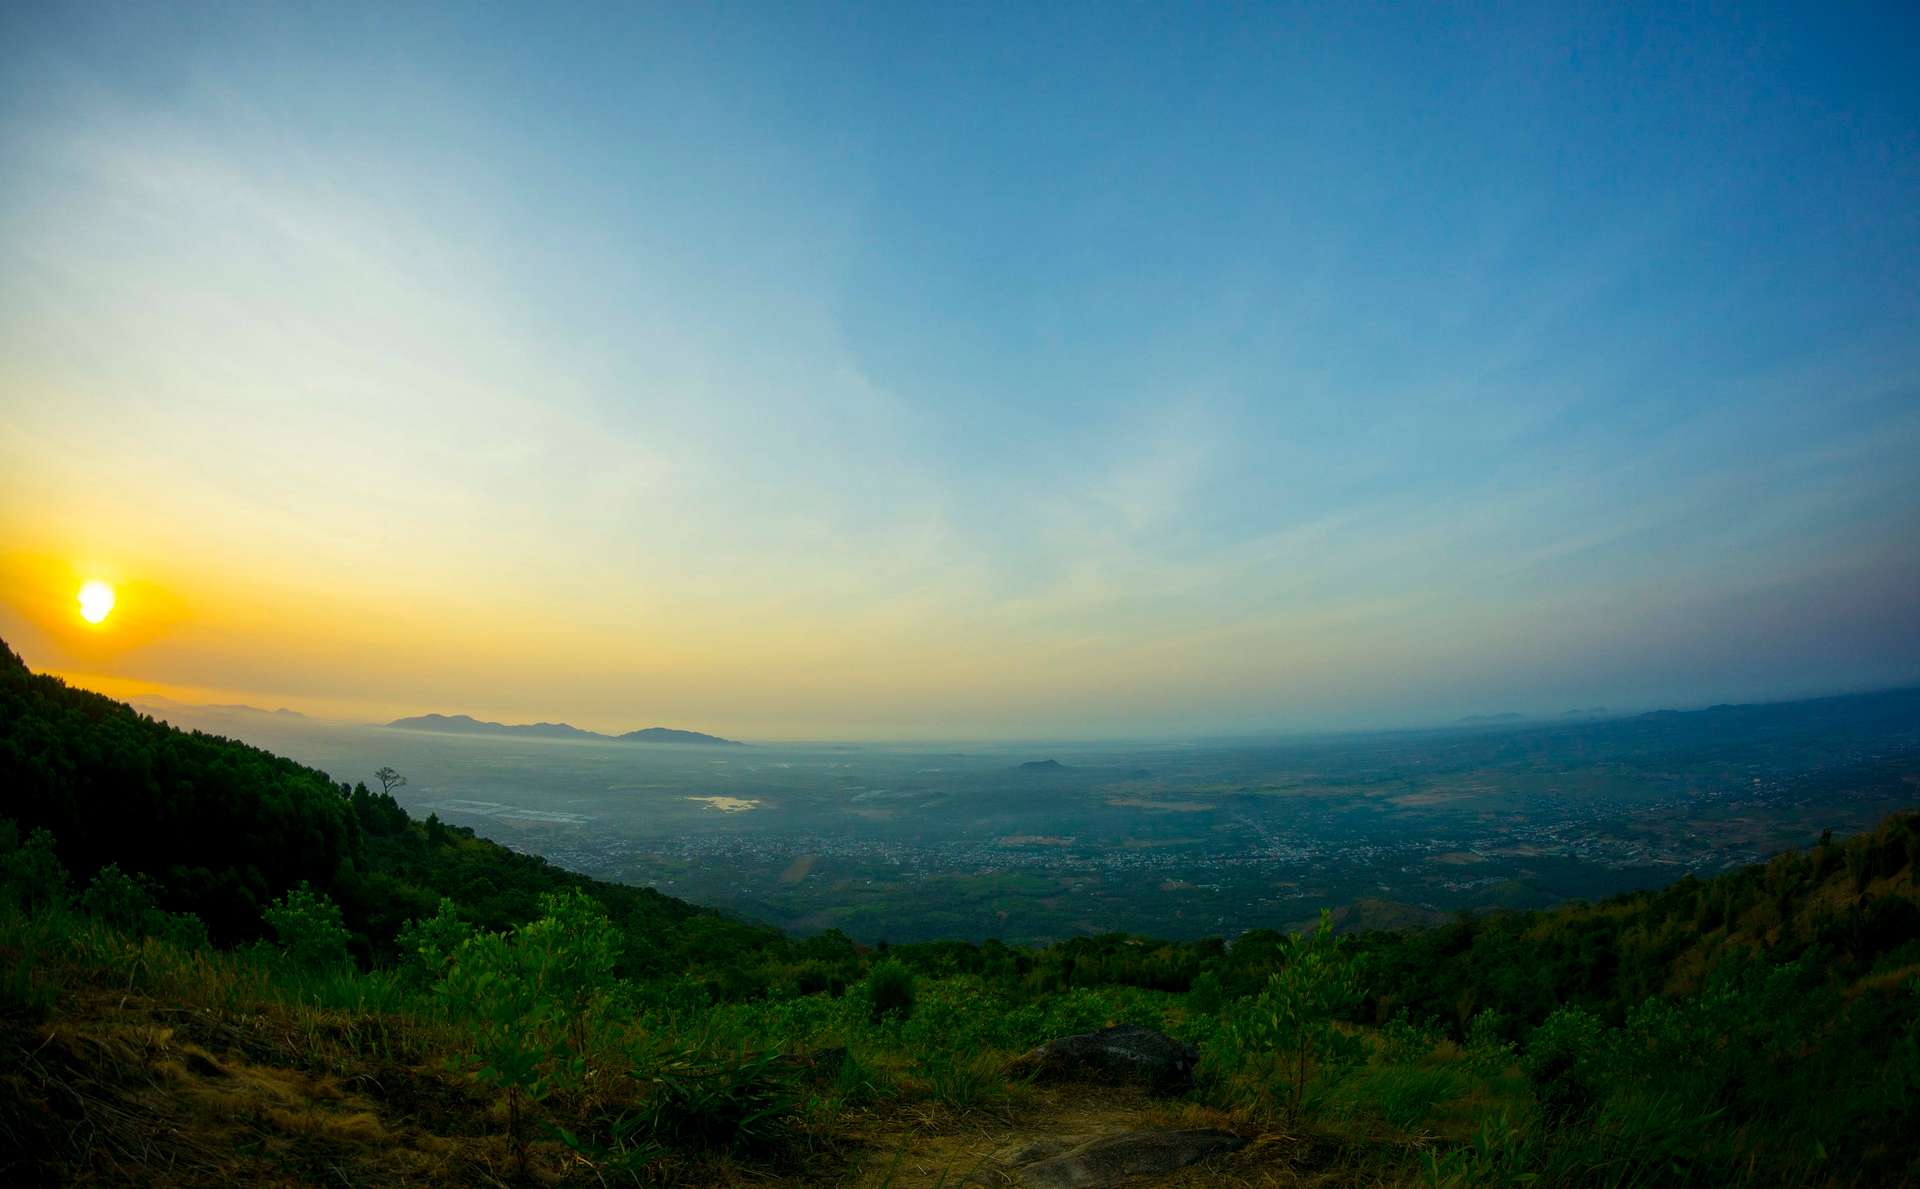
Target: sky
[881, 371]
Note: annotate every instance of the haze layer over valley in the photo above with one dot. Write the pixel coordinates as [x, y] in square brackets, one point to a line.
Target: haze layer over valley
[1036, 842]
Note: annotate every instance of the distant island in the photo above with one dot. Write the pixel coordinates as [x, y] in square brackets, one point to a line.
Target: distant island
[1472, 720]
[1042, 766]
[466, 724]
[671, 735]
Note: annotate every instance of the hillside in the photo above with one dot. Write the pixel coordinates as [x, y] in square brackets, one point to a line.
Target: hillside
[217, 965]
[218, 829]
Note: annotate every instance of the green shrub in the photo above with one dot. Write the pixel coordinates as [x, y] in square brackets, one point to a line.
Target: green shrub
[116, 899]
[428, 946]
[1401, 1040]
[572, 949]
[530, 999]
[1205, 996]
[493, 989]
[33, 874]
[1295, 1020]
[309, 929]
[1488, 1050]
[890, 991]
[1565, 1059]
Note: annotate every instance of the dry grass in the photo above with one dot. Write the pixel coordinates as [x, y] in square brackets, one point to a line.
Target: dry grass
[124, 1089]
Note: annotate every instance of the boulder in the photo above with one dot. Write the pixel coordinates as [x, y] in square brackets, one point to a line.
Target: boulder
[1075, 1162]
[1128, 1054]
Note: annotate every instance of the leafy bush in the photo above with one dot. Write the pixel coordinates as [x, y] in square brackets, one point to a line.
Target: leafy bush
[1488, 1050]
[117, 899]
[890, 991]
[309, 929]
[1565, 1059]
[572, 949]
[1205, 995]
[1295, 1020]
[34, 876]
[428, 946]
[529, 999]
[1401, 1040]
[492, 989]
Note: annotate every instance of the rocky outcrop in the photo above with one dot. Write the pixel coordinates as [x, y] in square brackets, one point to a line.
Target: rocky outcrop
[1124, 1055]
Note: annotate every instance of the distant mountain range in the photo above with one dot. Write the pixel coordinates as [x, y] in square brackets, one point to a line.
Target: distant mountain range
[163, 703]
[1481, 720]
[466, 724]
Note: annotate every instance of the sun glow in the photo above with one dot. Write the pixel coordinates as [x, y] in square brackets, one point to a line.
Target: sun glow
[96, 601]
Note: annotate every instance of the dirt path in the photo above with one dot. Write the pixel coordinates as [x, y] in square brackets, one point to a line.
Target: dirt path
[948, 1151]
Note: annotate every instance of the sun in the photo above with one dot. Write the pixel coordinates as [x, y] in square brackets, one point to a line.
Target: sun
[96, 601]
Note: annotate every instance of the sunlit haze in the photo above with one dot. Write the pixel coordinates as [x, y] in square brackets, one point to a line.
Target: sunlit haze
[958, 371]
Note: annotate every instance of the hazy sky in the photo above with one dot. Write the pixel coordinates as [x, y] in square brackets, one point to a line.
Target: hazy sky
[882, 370]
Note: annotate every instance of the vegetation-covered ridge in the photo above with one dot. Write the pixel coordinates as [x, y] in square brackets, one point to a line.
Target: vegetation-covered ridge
[217, 965]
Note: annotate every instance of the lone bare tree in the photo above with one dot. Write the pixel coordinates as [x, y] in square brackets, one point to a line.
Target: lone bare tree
[389, 780]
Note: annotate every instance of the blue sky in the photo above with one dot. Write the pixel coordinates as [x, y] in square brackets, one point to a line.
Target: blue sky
[836, 370]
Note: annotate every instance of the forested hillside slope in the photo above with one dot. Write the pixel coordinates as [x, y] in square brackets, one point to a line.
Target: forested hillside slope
[218, 829]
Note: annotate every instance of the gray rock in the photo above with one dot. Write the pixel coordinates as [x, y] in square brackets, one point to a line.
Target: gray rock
[1137, 1056]
[1109, 1159]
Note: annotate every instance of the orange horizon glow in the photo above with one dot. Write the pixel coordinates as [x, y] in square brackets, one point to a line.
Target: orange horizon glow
[358, 386]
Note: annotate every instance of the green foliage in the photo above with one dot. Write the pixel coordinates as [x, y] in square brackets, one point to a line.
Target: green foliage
[1205, 996]
[207, 818]
[1401, 1040]
[428, 946]
[1487, 1049]
[890, 991]
[965, 1081]
[529, 999]
[25, 999]
[219, 829]
[1565, 1058]
[493, 988]
[378, 813]
[35, 878]
[117, 899]
[1502, 1152]
[726, 1099]
[123, 902]
[572, 950]
[857, 1082]
[309, 929]
[1296, 1018]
